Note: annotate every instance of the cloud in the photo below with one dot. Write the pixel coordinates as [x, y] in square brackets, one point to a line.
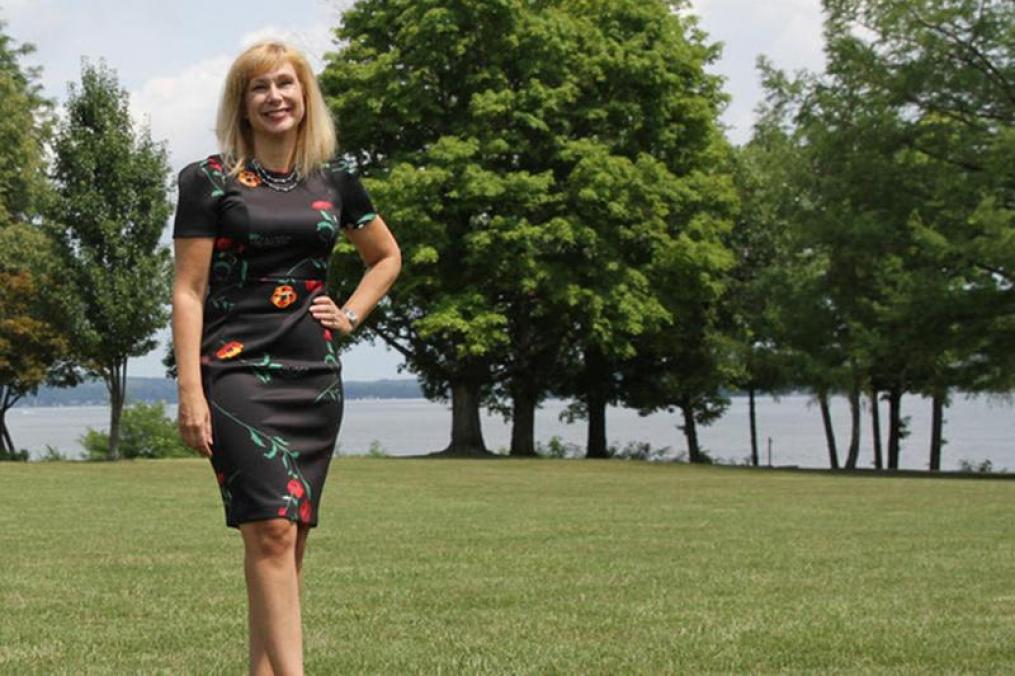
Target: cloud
[788, 32]
[181, 108]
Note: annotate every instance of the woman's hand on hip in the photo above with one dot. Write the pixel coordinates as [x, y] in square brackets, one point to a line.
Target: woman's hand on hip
[330, 315]
[194, 420]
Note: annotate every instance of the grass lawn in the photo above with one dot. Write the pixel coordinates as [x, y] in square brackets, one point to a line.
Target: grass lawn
[518, 567]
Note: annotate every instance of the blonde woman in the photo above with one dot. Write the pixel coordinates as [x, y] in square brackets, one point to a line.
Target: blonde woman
[254, 330]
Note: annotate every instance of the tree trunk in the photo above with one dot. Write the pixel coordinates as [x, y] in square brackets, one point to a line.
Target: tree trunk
[6, 443]
[894, 426]
[938, 402]
[596, 447]
[876, 427]
[690, 429]
[523, 421]
[595, 401]
[826, 418]
[116, 384]
[752, 414]
[466, 431]
[854, 427]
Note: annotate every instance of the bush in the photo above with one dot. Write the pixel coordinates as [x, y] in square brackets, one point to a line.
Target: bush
[557, 448]
[640, 450]
[145, 432]
[985, 467]
[21, 456]
[52, 454]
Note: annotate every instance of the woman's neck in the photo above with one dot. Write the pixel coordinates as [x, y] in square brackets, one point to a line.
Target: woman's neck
[275, 153]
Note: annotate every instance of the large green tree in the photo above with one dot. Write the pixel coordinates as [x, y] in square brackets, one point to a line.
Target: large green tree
[112, 182]
[948, 68]
[533, 175]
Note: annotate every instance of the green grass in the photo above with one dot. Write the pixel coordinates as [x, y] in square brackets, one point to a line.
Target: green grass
[542, 567]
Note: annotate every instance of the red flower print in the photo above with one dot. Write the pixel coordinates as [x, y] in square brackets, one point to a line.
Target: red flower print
[295, 488]
[281, 511]
[249, 179]
[230, 350]
[321, 204]
[313, 284]
[283, 296]
[220, 477]
[327, 335]
[305, 512]
[214, 163]
[223, 243]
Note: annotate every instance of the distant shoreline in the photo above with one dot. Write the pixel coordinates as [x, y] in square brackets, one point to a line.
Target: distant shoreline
[93, 392]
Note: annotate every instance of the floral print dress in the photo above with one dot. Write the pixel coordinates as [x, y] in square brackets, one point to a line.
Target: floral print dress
[269, 370]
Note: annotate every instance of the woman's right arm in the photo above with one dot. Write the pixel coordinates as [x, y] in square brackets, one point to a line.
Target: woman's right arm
[193, 257]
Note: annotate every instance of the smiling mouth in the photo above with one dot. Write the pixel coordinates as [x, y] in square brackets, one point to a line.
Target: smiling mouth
[278, 113]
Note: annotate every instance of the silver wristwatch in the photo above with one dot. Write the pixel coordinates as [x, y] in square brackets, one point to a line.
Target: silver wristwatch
[353, 318]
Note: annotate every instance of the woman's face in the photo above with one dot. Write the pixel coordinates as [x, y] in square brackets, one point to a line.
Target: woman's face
[274, 101]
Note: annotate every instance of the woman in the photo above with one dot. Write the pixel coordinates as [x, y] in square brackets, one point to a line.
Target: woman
[259, 378]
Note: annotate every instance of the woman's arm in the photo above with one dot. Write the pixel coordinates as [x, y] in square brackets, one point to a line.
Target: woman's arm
[193, 256]
[379, 251]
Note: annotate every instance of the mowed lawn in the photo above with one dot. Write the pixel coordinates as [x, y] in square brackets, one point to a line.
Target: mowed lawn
[518, 567]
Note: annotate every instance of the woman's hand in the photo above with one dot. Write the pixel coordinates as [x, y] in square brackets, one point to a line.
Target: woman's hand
[325, 311]
[194, 420]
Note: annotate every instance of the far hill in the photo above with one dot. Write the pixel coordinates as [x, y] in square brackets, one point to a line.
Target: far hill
[93, 393]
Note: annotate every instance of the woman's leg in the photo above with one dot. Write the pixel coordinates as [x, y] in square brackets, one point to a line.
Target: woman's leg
[276, 637]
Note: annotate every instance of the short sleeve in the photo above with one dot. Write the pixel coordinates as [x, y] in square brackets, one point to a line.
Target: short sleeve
[200, 186]
[357, 209]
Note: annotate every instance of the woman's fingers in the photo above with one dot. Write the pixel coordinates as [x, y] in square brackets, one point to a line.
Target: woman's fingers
[325, 311]
[194, 421]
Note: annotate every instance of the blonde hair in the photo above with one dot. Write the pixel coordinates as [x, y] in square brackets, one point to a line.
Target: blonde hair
[315, 140]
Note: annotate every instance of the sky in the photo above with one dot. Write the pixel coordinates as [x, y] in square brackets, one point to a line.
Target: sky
[172, 55]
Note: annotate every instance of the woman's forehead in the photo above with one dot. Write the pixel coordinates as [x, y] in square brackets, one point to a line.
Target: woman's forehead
[273, 69]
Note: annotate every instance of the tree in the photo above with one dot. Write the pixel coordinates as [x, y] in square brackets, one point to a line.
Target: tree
[497, 157]
[34, 314]
[109, 213]
[947, 66]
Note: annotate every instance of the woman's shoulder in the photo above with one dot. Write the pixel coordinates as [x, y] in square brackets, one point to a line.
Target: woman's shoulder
[208, 174]
[211, 163]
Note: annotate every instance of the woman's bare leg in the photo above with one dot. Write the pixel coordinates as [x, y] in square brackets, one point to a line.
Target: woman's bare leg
[276, 637]
[301, 547]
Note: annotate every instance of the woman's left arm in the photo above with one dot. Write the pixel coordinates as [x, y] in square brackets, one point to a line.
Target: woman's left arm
[379, 251]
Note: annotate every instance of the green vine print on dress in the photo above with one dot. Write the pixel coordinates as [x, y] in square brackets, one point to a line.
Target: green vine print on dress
[333, 392]
[211, 167]
[296, 501]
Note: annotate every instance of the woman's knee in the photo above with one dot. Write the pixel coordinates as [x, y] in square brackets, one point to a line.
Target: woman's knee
[274, 538]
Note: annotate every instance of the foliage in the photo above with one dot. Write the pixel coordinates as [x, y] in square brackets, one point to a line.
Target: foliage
[146, 433]
[109, 215]
[25, 122]
[36, 314]
[537, 185]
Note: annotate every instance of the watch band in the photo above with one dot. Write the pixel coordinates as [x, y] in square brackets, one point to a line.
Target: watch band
[353, 318]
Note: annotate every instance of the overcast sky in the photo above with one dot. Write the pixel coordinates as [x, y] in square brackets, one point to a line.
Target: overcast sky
[172, 55]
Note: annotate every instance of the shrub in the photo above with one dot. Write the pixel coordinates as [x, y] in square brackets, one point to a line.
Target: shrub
[557, 448]
[640, 450]
[145, 432]
[21, 455]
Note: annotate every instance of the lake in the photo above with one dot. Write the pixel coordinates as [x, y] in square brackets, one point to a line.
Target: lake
[975, 430]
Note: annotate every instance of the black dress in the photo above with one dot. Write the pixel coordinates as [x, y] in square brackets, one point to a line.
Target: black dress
[269, 369]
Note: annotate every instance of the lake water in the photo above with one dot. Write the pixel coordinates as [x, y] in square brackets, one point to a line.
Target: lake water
[975, 430]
